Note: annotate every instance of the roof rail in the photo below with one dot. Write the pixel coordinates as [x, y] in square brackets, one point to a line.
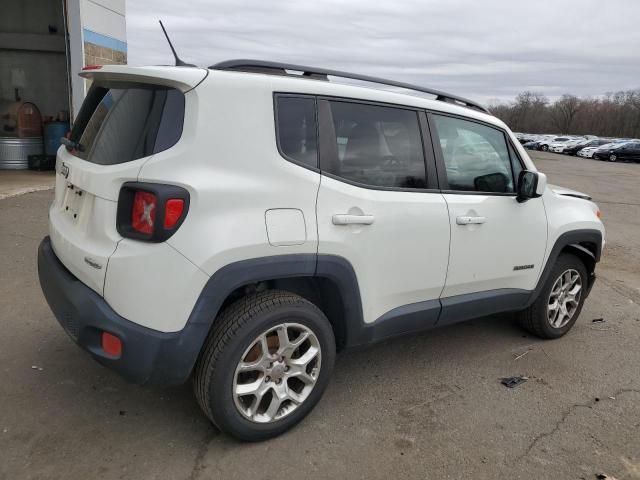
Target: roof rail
[277, 68]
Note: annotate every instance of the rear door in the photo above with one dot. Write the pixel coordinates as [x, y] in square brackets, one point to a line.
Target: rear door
[121, 124]
[497, 244]
[378, 207]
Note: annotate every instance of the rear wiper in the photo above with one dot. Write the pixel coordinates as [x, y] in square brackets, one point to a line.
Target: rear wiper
[72, 145]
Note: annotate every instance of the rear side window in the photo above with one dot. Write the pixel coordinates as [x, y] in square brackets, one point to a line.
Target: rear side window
[377, 146]
[297, 132]
[476, 156]
[118, 125]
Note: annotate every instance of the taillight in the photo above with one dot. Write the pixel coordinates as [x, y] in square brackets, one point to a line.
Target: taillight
[151, 211]
[173, 212]
[143, 213]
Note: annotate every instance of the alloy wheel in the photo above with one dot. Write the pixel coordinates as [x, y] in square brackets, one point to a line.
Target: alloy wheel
[564, 298]
[613, 157]
[277, 373]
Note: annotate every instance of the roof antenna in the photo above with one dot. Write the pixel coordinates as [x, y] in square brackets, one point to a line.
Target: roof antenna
[179, 63]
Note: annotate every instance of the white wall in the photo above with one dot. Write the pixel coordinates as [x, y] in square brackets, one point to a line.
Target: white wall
[106, 17]
[88, 20]
[76, 55]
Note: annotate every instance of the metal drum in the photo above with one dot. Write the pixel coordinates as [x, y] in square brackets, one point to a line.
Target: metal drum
[14, 152]
[53, 132]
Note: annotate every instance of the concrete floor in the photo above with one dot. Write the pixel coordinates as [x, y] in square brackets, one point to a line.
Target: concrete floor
[428, 406]
[17, 182]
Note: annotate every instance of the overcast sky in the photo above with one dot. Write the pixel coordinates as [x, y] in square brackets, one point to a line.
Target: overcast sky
[482, 49]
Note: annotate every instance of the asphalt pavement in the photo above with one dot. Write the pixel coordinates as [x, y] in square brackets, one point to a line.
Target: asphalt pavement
[428, 406]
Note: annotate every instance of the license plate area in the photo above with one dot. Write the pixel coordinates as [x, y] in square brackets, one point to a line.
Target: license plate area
[74, 199]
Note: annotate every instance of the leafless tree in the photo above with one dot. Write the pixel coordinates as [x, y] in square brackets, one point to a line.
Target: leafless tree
[615, 114]
[563, 112]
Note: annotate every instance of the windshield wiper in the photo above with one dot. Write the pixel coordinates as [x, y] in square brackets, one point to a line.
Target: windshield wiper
[72, 145]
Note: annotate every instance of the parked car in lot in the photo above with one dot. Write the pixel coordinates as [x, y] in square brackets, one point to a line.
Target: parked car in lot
[241, 246]
[527, 138]
[619, 151]
[587, 152]
[605, 147]
[536, 140]
[577, 147]
[559, 147]
[544, 144]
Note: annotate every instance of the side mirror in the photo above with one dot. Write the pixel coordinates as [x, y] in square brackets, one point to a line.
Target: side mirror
[530, 185]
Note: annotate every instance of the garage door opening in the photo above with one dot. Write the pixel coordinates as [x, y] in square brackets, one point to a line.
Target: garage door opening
[43, 45]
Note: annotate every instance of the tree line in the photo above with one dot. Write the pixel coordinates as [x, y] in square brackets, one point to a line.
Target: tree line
[614, 115]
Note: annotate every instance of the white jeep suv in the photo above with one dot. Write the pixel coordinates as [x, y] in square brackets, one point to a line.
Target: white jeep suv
[238, 225]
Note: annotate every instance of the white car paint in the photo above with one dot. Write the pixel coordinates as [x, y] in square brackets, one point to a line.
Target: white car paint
[483, 256]
[247, 201]
[558, 147]
[399, 259]
[587, 152]
[568, 192]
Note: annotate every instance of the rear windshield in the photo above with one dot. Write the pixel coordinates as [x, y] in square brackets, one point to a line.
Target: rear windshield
[121, 123]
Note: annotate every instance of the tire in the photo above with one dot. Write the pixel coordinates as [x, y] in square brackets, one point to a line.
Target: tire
[236, 336]
[613, 157]
[544, 148]
[536, 318]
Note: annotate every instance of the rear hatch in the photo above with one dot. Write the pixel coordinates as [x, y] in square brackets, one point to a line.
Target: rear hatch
[129, 114]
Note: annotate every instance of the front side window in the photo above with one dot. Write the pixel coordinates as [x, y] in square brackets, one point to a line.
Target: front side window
[476, 156]
[377, 146]
[297, 133]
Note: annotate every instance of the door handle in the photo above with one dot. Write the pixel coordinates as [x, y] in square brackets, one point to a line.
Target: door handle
[467, 220]
[346, 219]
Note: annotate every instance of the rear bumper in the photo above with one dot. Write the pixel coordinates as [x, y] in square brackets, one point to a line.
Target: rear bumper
[148, 356]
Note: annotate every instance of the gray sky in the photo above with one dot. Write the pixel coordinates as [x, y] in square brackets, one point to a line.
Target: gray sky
[482, 49]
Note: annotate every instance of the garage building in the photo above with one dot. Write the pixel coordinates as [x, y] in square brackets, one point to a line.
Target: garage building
[43, 45]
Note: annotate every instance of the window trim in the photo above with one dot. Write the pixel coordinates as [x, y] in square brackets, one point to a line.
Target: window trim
[328, 143]
[511, 147]
[277, 95]
[439, 156]
[432, 153]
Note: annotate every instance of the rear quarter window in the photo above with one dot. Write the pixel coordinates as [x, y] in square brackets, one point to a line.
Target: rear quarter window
[118, 124]
[296, 129]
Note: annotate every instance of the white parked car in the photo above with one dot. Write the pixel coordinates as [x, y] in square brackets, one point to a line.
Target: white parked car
[559, 147]
[587, 152]
[545, 144]
[239, 224]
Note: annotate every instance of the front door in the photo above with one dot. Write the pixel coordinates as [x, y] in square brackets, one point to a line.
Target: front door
[497, 244]
[375, 208]
[631, 151]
